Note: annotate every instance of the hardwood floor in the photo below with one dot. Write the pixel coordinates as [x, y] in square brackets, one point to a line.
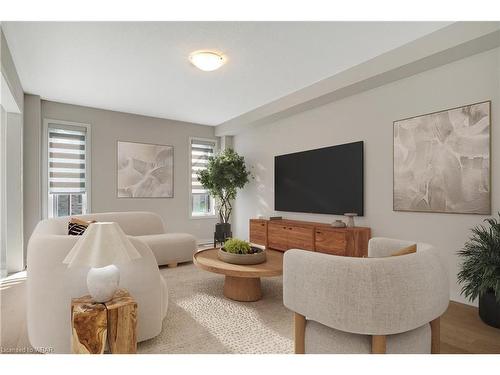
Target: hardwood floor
[463, 332]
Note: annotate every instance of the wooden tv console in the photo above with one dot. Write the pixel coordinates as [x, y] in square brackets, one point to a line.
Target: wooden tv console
[293, 234]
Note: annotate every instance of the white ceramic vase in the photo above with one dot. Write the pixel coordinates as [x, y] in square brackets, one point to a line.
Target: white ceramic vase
[350, 219]
[102, 283]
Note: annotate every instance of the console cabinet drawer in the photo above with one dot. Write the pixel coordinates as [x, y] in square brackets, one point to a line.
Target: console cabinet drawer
[331, 241]
[284, 237]
[277, 236]
[258, 232]
[293, 234]
[300, 238]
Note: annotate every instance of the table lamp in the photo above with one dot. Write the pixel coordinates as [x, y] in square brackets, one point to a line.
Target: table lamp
[101, 246]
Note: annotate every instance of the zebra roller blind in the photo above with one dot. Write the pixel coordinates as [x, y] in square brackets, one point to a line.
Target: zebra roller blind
[67, 162]
[201, 150]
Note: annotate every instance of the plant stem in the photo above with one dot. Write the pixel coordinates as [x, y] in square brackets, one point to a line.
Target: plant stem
[225, 208]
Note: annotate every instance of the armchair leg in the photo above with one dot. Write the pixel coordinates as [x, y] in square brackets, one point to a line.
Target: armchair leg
[435, 336]
[300, 333]
[379, 344]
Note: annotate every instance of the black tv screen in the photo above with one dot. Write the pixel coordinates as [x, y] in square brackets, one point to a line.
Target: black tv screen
[327, 180]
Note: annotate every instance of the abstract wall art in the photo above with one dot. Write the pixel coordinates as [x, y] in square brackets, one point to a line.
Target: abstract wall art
[442, 161]
[145, 170]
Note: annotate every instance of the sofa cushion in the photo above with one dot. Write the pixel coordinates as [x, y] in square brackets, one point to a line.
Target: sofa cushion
[320, 339]
[171, 247]
[133, 223]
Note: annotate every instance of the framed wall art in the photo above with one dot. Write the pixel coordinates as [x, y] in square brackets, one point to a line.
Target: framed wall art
[145, 170]
[442, 161]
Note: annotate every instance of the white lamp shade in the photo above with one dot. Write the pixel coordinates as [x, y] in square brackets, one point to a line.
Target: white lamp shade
[102, 244]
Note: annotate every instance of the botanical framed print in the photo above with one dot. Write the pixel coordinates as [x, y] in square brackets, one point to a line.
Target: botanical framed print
[442, 161]
[144, 170]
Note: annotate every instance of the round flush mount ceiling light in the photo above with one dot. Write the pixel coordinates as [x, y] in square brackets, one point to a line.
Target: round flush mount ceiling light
[207, 60]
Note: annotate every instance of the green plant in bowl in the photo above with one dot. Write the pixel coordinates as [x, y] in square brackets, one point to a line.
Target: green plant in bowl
[237, 251]
[236, 246]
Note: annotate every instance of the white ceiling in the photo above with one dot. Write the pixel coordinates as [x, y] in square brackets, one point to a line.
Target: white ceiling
[143, 67]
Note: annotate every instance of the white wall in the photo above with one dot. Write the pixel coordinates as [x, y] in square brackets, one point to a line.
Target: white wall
[14, 192]
[107, 128]
[9, 71]
[369, 117]
[3, 204]
[11, 163]
[32, 135]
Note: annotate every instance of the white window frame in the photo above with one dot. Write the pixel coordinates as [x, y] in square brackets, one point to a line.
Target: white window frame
[45, 161]
[190, 168]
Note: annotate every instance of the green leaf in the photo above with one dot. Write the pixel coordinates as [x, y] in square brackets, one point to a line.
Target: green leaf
[480, 268]
[224, 175]
[236, 246]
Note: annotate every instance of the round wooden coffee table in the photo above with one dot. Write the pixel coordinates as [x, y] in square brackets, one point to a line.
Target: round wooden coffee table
[242, 282]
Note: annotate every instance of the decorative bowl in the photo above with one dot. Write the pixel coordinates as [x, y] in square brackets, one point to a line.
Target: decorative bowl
[256, 258]
[338, 224]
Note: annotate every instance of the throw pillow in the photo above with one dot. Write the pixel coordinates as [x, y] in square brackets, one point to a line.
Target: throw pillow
[76, 227]
[405, 250]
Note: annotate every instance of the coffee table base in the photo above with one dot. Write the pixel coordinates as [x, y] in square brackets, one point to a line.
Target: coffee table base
[243, 289]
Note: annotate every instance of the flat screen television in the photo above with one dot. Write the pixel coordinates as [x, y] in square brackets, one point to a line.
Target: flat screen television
[327, 180]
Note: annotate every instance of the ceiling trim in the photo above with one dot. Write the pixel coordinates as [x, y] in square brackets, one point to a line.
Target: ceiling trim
[7, 100]
[452, 43]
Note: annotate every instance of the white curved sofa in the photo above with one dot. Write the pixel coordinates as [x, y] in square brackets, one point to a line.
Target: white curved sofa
[51, 285]
[346, 305]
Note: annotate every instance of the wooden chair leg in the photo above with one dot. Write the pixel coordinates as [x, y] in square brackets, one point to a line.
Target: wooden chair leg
[379, 344]
[300, 333]
[435, 336]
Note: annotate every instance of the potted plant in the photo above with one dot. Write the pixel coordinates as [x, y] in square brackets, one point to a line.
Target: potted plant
[224, 175]
[241, 252]
[480, 270]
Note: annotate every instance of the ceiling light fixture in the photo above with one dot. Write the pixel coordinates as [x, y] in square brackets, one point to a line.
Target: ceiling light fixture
[206, 60]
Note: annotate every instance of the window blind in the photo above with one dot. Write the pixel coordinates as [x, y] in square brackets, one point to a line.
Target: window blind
[200, 152]
[67, 163]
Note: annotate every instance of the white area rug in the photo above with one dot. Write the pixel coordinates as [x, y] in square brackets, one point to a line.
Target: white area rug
[201, 320]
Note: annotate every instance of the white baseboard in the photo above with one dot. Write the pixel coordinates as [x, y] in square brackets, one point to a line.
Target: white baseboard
[205, 241]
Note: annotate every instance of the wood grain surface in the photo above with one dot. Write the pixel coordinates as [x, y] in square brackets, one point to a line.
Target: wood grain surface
[122, 323]
[93, 324]
[208, 261]
[88, 325]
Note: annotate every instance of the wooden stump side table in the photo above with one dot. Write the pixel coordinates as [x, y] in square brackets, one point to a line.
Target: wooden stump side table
[93, 323]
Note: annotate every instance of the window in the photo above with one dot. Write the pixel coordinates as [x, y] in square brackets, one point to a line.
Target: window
[201, 203]
[68, 168]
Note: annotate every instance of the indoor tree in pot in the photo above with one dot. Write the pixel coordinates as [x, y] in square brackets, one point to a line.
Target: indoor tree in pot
[480, 272]
[226, 172]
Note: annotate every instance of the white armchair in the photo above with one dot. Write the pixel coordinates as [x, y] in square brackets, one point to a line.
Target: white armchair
[51, 285]
[380, 304]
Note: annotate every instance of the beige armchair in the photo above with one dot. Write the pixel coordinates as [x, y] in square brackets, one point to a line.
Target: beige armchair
[379, 304]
